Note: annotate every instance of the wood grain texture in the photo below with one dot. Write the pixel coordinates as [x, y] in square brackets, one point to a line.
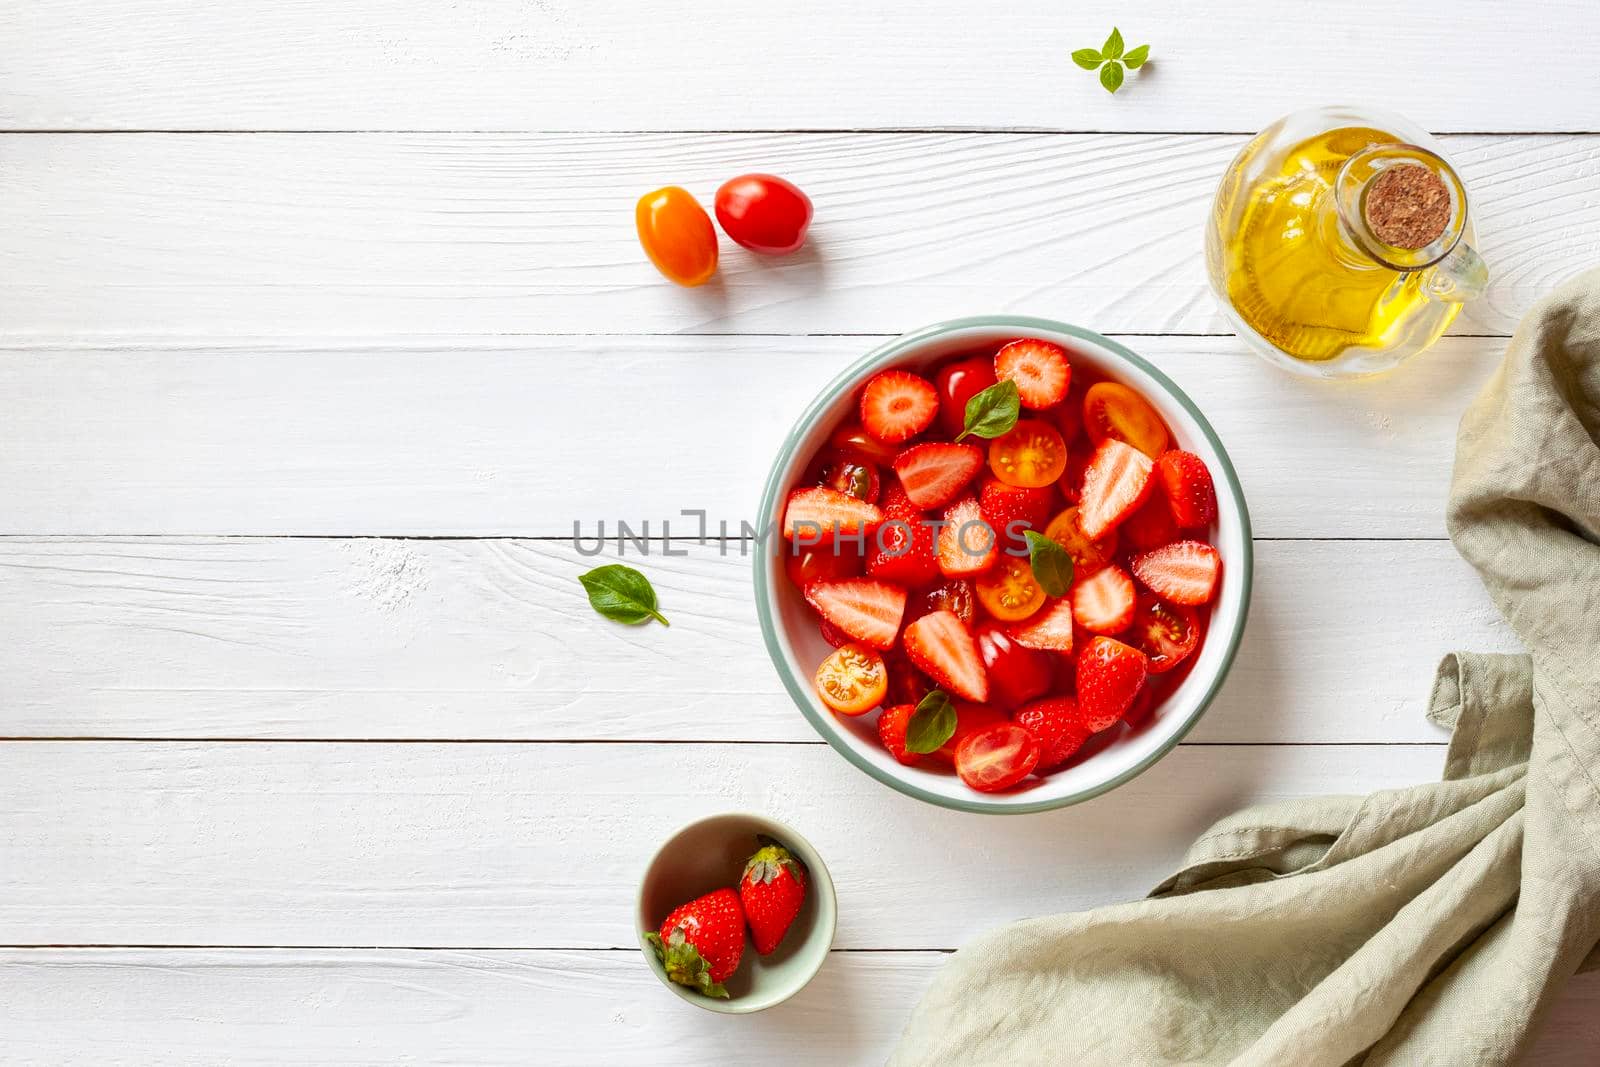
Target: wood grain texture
[541, 845]
[526, 438]
[309, 638]
[564, 64]
[382, 1007]
[197, 239]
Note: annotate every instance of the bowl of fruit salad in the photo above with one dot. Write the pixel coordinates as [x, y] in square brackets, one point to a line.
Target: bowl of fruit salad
[1008, 565]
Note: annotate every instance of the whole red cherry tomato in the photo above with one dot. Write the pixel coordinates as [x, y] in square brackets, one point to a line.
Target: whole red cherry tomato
[764, 213]
[958, 383]
[1016, 674]
[677, 235]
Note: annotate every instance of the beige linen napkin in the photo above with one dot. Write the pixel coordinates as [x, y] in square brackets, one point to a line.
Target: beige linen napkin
[1426, 925]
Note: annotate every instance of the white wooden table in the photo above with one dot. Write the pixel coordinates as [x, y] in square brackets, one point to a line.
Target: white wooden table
[323, 322]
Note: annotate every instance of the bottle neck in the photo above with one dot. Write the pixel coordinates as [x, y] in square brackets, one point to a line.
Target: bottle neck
[1397, 206]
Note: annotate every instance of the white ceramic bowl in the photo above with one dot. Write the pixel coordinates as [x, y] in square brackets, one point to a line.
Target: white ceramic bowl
[796, 645]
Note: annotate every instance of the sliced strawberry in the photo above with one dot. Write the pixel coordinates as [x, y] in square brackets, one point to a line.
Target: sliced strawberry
[1059, 726]
[1151, 525]
[943, 648]
[1110, 675]
[934, 474]
[967, 545]
[904, 550]
[1103, 602]
[1040, 370]
[1182, 573]
[1001, 505]
[818, 514]
[864, 608]
[892, 723]
[833, 635]
[1187, 483]
[1117, 482]
[897, 405]
[1049, 630]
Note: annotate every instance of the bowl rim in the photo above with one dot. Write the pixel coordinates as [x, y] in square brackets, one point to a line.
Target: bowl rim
[821, 879]
[905, 345]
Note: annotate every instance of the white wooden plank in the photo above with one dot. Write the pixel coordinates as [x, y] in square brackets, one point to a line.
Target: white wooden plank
[560, 64]
[245, 1006]
[526, 439]
[541, 845]
[195, 239]
[165, 638]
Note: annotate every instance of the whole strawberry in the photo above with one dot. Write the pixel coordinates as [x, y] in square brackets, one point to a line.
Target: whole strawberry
[1059, 726]
[773, 888]
[701, 943]
[1110, 675]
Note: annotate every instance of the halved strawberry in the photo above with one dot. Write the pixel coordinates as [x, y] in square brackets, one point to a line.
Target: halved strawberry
[892, 723]
[864, 608]
[943, 648]
[1049, 630]
[1059, 726]
[1117, 482]
[934, 474]
[1181, 573]
[1103, 602]
[967, 545]
[1040, 370]
[818, 514]
[1001, 505]
[1110, 675]
[1150, 526]
[897, 405]
[1190, 493]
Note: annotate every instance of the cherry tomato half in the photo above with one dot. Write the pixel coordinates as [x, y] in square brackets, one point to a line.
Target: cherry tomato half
[1087, 555]
[852, 437]
[954, 596]
[958, 383]
[1111, 409]
[1008, 590]
[677, 235]
[853, 680]
[805, 564]
[997, 758]
[764, 213]
[850, 473]
[1031, 456]
[970, 719]
[1166, 633]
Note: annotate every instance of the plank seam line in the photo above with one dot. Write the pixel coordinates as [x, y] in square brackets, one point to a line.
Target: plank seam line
[550, 538]
[113, 739]
[186, 947]
[842, 131]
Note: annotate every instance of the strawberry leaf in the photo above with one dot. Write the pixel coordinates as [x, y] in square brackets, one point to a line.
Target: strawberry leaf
[1136, 58]
[684, 964]
[1111, 76]
[1112, 49]
[621, 594]
[1088, 58]
[932, 724]
[993, 412]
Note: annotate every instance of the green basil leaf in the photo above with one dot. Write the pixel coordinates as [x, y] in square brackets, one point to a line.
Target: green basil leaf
[1051, 564]
[1111, 77]
[1087, 58]
[621, 594]
[932, 724]
[993, 412]
[1112, 49]
[1135, 59]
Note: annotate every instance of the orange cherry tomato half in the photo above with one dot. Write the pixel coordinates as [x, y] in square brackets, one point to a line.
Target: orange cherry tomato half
[1008, 591]
[677, 235]
[853, 680]
[1087, 555]
[997, 758]
[1031, 456]
[1111, 409]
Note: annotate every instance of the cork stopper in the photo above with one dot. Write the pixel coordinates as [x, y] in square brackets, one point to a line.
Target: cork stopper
[1407, 206]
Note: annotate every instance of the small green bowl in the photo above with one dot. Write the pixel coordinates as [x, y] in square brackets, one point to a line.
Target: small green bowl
[789, 626]
[710, 854]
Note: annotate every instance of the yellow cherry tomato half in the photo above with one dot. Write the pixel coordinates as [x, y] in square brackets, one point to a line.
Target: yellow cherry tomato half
[1087, 555]
[677, 235]
[853, 680]
[1111, 409]
[1031, 456]
[1008, 591]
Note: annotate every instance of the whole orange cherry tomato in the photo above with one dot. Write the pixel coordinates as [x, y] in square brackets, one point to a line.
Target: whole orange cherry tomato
[677, 235]
[764, 213]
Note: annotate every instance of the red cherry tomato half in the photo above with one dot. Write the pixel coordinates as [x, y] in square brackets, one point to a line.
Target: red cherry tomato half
[970, 719]
[997, 758]
[677, 235]
[1166, 633]
[764, 213]
[852, 437]
[805, 564]
[958, 383]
